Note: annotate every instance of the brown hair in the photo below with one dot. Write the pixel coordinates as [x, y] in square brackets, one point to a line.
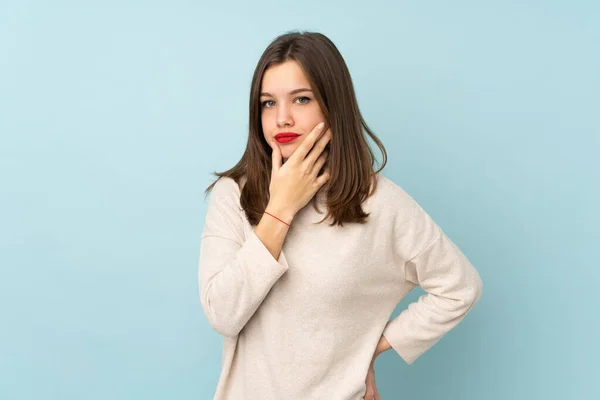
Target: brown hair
[350, 161]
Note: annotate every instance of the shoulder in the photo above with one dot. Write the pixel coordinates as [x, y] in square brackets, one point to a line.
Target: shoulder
[225, 187]
[225, 196]
[223, 216]
[390, 192]
[399, 205]
[413, 228]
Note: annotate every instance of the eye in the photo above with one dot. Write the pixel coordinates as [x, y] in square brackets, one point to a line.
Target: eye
[267, 103]
[303, 99]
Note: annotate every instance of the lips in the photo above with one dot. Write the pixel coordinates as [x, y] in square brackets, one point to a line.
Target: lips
[286, 137]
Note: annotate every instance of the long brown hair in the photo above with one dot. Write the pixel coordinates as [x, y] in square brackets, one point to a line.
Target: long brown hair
[350, 161]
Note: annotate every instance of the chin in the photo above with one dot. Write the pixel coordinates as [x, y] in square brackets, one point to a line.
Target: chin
[288, 151]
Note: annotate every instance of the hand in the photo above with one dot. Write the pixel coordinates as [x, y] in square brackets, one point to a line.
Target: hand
[371, 392]
[296, 182]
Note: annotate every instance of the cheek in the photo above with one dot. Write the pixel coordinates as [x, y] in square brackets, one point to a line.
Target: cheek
[267, 121]
[314, 113]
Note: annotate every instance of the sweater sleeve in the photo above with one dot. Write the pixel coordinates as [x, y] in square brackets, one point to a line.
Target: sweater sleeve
[451, 283]
[235, 273]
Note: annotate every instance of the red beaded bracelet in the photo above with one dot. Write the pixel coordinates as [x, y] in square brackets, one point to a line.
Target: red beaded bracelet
[277, 218]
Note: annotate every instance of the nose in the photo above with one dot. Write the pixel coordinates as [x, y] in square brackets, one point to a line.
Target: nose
[284, 116]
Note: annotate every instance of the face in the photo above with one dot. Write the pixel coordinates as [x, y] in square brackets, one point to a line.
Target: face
[288, 105]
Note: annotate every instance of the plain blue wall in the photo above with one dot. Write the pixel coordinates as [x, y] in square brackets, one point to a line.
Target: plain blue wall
[114, 113]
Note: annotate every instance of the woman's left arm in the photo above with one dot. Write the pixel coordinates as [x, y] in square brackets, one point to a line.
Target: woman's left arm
[435, 263]
[452, 287]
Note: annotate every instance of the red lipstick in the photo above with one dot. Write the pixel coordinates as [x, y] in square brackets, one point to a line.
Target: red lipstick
[286, 137]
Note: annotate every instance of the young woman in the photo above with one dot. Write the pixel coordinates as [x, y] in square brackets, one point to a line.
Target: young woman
[304, 305]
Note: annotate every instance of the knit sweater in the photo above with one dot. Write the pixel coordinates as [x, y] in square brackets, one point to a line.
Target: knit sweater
[306, 326]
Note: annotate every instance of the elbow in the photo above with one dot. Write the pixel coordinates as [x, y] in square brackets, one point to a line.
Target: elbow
[469, 296]
[223, 327]
[478, 289]
[223, 323]
[474, 292]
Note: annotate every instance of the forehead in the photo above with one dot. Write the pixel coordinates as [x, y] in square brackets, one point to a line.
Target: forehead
[284, 77]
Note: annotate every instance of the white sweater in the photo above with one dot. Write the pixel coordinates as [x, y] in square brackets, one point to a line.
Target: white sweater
[306, 326]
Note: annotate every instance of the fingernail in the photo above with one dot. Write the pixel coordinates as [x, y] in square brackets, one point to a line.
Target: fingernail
[321, 125]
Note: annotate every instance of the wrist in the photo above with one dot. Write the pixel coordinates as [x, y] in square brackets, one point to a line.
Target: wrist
[382, 346]
[281, 213]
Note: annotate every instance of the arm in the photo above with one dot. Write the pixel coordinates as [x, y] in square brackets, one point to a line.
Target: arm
[236, 274]
[451, 283]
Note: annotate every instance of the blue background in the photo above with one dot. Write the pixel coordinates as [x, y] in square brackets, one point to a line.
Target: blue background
[114, 113]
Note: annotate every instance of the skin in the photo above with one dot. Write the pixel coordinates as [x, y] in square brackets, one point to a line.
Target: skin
[371, 392]
[288, 105]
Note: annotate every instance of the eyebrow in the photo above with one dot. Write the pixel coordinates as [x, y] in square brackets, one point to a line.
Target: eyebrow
[292, 92]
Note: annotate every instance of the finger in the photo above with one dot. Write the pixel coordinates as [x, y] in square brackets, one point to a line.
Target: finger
[275, 156]
[317, 149]
[319, 163]
[300, 153]
[321, 180]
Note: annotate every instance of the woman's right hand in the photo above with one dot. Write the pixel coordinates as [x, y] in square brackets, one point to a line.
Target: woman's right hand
[294, 183]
